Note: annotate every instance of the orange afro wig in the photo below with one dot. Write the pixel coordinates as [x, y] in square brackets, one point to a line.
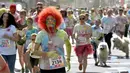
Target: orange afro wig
[47, 12]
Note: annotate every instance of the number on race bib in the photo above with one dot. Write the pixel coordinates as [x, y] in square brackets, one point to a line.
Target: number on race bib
[81, 40]
[57, 62]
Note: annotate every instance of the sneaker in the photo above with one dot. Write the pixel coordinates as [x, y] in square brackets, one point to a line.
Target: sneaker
[127, 56]
[96, 64]
[22, 70]
[80, 66]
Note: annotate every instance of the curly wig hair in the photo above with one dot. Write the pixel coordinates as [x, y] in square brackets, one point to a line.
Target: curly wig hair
[47, 12]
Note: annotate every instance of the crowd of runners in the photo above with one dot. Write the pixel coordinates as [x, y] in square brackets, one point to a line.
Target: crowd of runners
[39, 35]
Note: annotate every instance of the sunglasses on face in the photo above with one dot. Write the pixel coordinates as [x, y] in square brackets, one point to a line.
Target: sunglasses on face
[120, 10]
[40, 7]
[33, 39]
[81, 18]
[50, 19]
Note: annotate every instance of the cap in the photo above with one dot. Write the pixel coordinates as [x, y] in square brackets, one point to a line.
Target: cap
[34, 34]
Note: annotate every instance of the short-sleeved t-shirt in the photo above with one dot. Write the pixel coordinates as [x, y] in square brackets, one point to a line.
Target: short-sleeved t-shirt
[96, 31]
[108, 23]
[122, 21]
[70, 23]
[7, 46]
[55, 43]
[82, 31]
[31, 46]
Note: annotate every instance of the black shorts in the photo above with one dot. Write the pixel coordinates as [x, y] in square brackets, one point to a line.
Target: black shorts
[34, 62]
[60, 70]
[25, 50]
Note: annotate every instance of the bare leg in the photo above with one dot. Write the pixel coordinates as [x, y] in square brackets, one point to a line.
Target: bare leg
[84, 63]
[27, 61]
[80, 58]
[21, 52]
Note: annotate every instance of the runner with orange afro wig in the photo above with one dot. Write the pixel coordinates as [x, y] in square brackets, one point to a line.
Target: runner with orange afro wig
[52, 40]
[47, 12]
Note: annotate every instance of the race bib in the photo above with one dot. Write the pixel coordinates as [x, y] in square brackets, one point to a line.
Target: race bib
[4, 43]
[81, 39]
[57, 62]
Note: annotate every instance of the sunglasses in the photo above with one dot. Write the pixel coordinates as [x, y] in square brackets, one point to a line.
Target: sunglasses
[39, 7]
[33, 39]
[120, 10]
[81, 18]
[48, 19]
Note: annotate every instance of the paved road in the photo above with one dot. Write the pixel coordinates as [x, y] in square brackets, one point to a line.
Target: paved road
[116, 61]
